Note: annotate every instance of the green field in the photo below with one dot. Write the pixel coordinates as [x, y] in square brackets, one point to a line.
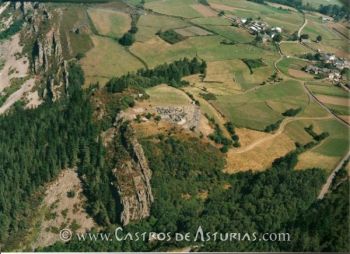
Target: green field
[335, 145]
[150, 24]
[181, 8]
[328, 89]
[294, 49]
[106, 60]
[338, 142]
[74, 43]
[253, 110]
[167, 95]
[317, 3]
[292, 67]
[156, 51]
[339, 110]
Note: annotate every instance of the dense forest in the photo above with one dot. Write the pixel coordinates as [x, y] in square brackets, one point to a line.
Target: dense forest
[35, 145]
[325, 225]
[167, 73]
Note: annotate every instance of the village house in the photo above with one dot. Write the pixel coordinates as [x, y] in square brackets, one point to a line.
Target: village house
[326, 19]
[328, 58]
[256, 27]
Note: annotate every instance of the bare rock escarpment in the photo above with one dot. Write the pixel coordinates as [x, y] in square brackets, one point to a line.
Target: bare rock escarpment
[133, 176]
[43, 33]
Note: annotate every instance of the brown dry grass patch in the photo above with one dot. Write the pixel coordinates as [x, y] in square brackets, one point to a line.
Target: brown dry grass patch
[110, 22]
[334, 100]
[204, 10]
[203, 195]
[311, 159]
[151, 128]
[345, 118]
[299, 74]
[260, 157]
[223, 72]
[222, 7]
[186, 196]
[248, 136]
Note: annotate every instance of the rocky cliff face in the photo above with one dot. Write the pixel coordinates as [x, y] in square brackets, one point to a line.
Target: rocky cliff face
[46, 55]
[133, 181]
[47, 52]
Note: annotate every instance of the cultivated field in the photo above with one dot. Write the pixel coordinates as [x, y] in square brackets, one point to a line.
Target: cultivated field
[294, 48]
[182, 8]
[252, 110]
[293, 67]
[331, 150]
[75, 42]
[167, 95]
[106, 60]
[110, 22]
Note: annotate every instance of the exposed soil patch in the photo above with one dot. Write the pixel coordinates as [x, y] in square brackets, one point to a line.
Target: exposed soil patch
[333, 100]
[64, 209]
[15, 66]
[204, 10]
[299, 74]
[345, 118]
[248, 136]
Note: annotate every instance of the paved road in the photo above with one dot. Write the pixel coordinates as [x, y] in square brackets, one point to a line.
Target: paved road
[330, 178]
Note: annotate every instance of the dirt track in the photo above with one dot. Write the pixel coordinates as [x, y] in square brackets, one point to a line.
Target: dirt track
[279, 131]
[329, 181]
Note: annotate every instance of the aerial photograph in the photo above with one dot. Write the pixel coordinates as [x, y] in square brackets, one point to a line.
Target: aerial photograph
[174, 126]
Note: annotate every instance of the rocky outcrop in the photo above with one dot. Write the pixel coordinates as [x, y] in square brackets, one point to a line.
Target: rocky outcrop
[47, 52]
[47, 58]
[133, 181]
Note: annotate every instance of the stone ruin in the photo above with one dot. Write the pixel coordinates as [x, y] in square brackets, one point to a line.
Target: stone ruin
[186, 116]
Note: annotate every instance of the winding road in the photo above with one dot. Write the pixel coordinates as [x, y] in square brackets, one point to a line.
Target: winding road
[302, 27]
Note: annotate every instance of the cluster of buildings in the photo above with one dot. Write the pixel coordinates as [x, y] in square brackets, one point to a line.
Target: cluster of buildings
[256, 27]
[330, 66]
